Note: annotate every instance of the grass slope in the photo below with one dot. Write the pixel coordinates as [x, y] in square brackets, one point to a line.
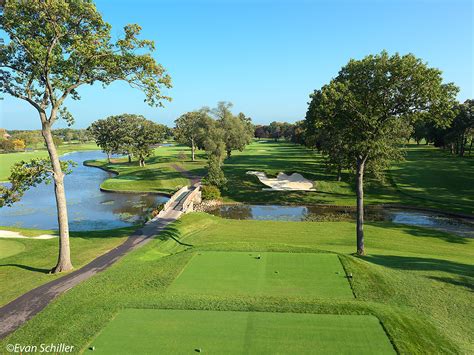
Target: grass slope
[8, 159]
[273, 274]
[416, 282]
[30, 260]
[159, 176]
[179, 332]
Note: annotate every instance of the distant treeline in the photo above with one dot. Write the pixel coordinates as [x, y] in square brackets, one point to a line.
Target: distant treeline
[22, 139]
[293, 132]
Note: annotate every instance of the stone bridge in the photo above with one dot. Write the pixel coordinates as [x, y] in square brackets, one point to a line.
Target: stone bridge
[182, 201]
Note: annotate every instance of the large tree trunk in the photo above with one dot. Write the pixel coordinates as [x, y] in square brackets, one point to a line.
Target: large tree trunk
[229, 153]
[360, 205]
[193, 150]
[64, 258]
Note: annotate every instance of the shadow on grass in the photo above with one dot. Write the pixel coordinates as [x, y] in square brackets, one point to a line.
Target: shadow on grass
[29, 268]
[172, 233]
[423, 232]
[423, 264]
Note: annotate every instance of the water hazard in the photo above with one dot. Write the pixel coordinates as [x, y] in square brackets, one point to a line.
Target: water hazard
[88, 207]
[436, 221]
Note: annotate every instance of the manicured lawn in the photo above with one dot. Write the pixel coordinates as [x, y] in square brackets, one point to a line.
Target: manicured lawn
[180, 332]
[160, 175]
[418, 283]
[25, 263]
[8, 159]
[435, 176]
[272, 274]
[9, 247]
[428, 178]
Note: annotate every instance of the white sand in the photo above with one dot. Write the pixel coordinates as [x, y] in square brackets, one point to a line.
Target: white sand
[283, 182]
[10, 234]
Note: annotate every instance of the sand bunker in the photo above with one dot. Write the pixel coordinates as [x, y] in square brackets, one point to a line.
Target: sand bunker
[283, 182]
[10, 234]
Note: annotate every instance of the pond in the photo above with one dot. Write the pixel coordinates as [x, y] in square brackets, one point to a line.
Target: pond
[88, 207]
[440, 222]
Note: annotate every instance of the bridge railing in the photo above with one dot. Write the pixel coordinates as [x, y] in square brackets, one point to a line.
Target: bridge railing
[191, 197]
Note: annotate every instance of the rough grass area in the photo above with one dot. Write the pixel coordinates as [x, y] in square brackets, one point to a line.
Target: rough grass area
[8, 159]
[271, 274]
[417, 282]
[159, 175]
[211, 332]
[25, 263]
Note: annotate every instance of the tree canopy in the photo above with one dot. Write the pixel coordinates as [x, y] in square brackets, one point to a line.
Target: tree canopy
[188, 130]
[53, 48]
[366, 112]
[128, 134]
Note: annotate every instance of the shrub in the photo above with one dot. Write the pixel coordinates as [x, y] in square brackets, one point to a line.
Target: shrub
[215, 175]
[211, 192]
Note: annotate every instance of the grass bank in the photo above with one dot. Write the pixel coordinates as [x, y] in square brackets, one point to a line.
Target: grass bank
[8, 159]
[415, 281]
[160, 174]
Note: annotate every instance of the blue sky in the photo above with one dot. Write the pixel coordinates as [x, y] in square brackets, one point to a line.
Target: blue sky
[267, 56]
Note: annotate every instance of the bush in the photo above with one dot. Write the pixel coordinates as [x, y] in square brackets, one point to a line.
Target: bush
[211, 192]
[215, 175]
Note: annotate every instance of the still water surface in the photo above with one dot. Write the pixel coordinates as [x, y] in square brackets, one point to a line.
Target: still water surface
[461, 227]
[88, 207]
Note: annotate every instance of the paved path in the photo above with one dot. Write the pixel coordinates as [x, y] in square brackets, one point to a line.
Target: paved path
[194, 179]
[20, 310]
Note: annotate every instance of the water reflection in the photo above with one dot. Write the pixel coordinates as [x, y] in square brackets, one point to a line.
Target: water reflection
[461, 227]
[88, 207]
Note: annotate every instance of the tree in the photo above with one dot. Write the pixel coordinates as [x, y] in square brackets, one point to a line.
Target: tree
[7, 145]
[238, 132]
[371, 105]
[461, 131]
[275, 129]
[260, 132]
[128, 134]
[213, 143]
[106, 135]
[187, 130]
[55, 47]
[145, 134]
[18, 144]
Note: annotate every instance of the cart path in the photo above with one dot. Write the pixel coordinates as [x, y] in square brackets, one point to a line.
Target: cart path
[194, 179]
[23, 308]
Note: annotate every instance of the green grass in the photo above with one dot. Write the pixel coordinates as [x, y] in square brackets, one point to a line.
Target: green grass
[25, 263]
[436, 177]
[428, 177]
[159, 176]
[417, 282]
[8, 159]
[274, 274]
[9, 247]
[179, 332]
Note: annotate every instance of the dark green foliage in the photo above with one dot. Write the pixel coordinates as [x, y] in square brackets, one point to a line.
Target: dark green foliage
[127, 134]
[211, 192]
[215, 175]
